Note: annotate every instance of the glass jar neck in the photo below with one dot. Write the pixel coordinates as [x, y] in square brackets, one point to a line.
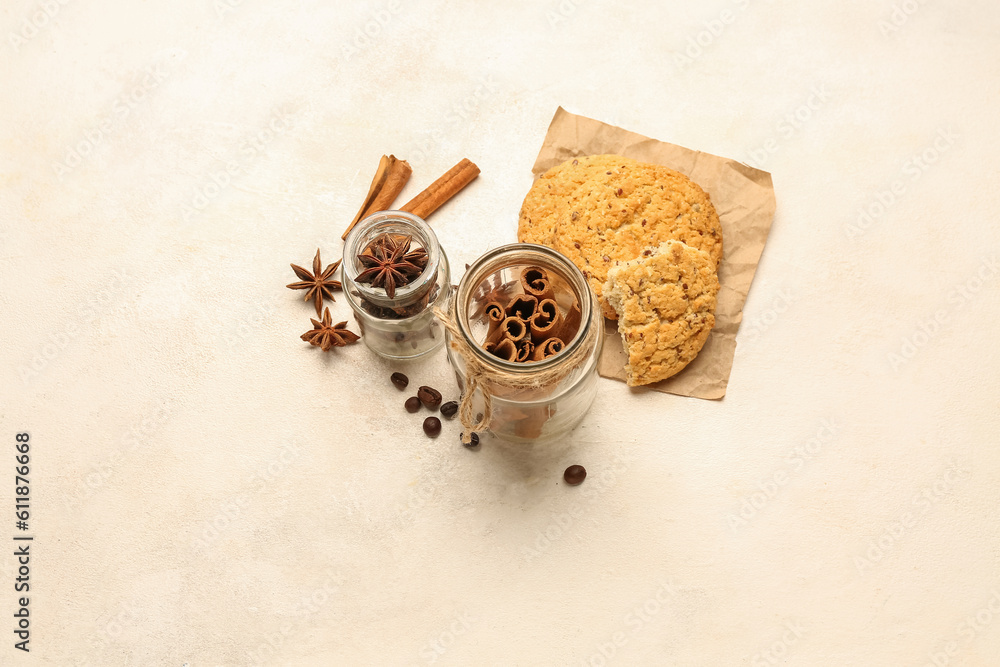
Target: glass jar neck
[393, 223]
[529, 255]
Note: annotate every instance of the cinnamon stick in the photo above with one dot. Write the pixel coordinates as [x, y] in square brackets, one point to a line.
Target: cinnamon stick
[535, 281]
[443, 189]
[505, 349]
[546, 322]
[388, 182]
[547, 349]
[522, 306]
[571, 323]
[512, 328]
[495, 315]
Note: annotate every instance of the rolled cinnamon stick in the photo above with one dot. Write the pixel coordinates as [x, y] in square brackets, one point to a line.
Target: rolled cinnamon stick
[522, 306]
[570, 324]
[391, 176]
[525, 348]
[546, 322]
[505, 349]
[535, 282]
[549, 348]
[443, 189]
[494, 315]
[513, 328]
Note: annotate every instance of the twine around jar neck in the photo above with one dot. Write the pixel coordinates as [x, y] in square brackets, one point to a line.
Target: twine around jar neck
[481, 376]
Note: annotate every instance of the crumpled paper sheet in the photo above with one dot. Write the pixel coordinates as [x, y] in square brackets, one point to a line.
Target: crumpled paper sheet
[744, 199]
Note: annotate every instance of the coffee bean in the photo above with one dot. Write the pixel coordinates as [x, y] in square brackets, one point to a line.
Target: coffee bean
[449, 409]
[575, 475]
[430, 397]
[399, 380]
[473, 443]
[412, 404]
[432, 426]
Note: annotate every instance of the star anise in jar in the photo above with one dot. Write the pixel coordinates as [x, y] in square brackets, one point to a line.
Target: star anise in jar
[325, 335]
[417, 257]
[320, 283]
[393, 242]
[389, 264]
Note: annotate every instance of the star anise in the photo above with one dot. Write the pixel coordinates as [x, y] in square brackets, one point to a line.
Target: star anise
[324, 335]
[417, 257]
[387, 265]
[392, 243]
[319, 283]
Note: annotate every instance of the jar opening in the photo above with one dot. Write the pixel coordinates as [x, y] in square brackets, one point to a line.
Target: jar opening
[523, 308]
[392, 227]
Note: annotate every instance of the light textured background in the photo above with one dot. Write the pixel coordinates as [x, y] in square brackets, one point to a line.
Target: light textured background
[209, 490]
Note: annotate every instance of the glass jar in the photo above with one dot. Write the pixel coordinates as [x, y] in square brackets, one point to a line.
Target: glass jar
[402, 326]
[543, 399]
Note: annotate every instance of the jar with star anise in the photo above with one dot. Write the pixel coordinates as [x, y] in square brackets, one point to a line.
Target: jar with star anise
[394, 272]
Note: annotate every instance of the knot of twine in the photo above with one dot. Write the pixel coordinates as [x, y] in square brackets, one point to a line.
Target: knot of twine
[488, 379]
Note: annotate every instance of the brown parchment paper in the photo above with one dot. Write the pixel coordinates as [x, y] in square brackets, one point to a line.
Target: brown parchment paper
[744, 199]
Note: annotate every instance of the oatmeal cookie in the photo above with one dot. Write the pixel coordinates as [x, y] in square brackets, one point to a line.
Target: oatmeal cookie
[604, 209]
[665, 302]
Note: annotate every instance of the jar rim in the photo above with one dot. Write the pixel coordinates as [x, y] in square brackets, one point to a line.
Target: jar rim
[492, 261]
[404, 293]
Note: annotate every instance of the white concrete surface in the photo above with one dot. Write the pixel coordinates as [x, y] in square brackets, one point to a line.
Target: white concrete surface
[208, 490]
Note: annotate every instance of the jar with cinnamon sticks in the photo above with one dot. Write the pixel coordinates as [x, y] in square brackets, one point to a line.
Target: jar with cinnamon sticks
[394, 273]
[525, 333]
